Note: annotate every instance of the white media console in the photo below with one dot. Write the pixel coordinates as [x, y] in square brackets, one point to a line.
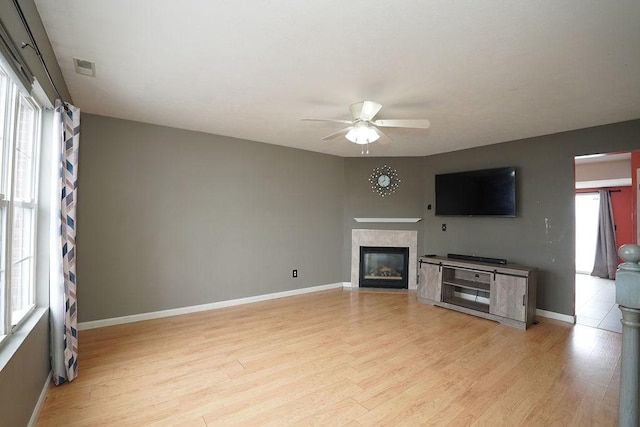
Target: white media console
[505, 293]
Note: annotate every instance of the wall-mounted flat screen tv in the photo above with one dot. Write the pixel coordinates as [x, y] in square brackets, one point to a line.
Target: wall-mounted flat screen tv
[487, 192]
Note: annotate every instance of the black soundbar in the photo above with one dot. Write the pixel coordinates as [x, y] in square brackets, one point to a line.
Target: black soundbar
[478, 258]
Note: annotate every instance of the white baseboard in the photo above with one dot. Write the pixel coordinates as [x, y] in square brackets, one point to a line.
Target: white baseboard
[43, 395]
[248, 300]
[202, 307]
[556, 316]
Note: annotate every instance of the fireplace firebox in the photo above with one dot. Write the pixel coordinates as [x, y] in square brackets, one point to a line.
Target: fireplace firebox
[384, 267]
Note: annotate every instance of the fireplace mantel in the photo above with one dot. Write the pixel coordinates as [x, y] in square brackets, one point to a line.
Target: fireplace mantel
[387, 219]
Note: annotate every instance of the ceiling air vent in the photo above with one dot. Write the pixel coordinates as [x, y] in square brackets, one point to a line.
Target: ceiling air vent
[85, 67]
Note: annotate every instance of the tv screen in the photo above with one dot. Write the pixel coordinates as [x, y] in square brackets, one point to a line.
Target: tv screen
[488, 192]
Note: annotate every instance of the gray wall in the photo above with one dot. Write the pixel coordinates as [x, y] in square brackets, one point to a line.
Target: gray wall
[543, 233]
[184, 218]
[169, 218]
[24, 375]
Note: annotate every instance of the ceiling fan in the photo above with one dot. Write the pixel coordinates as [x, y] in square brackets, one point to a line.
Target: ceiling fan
[364, 130]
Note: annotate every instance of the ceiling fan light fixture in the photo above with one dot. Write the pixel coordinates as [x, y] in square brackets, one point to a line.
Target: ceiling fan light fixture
[363, 129]
[362, 134]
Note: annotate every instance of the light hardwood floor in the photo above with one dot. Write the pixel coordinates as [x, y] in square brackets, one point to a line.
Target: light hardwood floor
[339, 358]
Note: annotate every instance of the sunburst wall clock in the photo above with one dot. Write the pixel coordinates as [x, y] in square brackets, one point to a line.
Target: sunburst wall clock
[384, 181]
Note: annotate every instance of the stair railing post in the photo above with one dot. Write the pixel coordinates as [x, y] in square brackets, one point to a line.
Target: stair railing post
[628, 299]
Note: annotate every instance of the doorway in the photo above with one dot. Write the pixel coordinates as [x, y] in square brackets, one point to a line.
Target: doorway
[595, 297]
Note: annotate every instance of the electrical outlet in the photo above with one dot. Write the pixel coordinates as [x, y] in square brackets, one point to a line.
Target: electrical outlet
[295, 273]
[444, 227]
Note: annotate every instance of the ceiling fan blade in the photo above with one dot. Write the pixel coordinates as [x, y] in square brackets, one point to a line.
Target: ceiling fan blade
[337, 134]
[384, 139]
[348, 122]
[410, 123]
[364, 110]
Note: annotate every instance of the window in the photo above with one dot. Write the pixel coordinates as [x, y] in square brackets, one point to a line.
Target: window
[587, 213]
[19, 142]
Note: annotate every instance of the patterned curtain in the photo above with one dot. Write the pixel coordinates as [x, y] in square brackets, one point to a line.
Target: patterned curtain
[62, 302]
[606, 261]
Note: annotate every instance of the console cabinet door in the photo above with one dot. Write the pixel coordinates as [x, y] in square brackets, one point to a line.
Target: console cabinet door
[509, 297]
[430, 280]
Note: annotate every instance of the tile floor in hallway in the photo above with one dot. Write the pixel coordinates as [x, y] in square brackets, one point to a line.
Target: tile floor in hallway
[596, 303]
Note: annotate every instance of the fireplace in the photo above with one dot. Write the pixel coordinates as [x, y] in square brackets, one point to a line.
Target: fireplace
[385, 239]
[384, 267]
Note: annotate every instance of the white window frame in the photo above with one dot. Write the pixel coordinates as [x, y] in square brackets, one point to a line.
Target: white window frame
[8, 203]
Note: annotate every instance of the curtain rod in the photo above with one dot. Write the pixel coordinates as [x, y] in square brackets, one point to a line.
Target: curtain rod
[33, 45]
[595, 191]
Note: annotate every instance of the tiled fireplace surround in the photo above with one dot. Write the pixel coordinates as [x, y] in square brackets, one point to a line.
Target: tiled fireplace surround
[384, 238]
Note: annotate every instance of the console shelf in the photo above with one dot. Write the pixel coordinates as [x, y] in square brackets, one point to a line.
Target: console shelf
[505, 293]
[461, 302]
[467, 284]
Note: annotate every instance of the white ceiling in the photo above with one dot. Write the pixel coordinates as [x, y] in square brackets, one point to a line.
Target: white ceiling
[481, 71]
